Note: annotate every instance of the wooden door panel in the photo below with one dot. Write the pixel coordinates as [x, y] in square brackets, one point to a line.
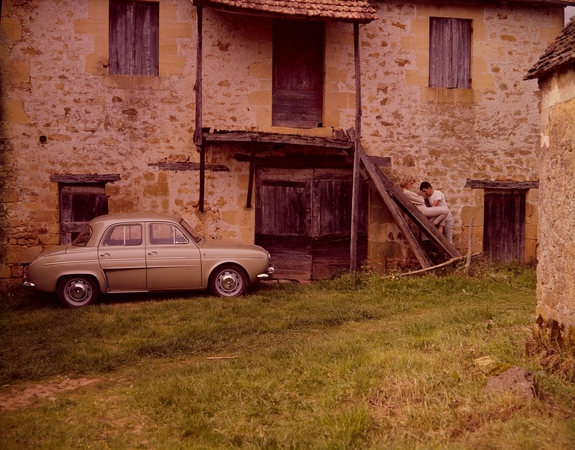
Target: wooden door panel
[504, 226]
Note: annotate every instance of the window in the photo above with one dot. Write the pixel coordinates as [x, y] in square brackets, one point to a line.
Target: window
[298, 66]
[134, 38]
[124, 235]
[164, 233]
[450, 53]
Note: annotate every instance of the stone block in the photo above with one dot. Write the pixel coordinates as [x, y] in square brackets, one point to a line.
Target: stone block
[14, 111]
[260, 98]
[17, 254]
[11, 28]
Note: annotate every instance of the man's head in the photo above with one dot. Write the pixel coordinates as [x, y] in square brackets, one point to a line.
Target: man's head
[426, 188]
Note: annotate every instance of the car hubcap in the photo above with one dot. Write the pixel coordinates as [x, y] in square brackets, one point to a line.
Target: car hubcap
[228, 282]
[78, 290]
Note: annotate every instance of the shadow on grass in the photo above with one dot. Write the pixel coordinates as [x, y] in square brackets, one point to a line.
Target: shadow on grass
[29, 299]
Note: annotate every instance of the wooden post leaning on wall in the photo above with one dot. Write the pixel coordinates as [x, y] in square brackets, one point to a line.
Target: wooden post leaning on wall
[198, 87]
[356, 156]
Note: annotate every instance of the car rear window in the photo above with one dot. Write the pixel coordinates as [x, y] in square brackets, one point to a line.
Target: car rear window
[83, 237]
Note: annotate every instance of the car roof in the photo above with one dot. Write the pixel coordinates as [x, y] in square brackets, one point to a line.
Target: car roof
[142, 217]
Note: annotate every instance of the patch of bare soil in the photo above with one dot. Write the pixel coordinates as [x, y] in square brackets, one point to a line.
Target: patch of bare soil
[20, 398]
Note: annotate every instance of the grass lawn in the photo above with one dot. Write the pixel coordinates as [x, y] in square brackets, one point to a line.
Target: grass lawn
[352, 363]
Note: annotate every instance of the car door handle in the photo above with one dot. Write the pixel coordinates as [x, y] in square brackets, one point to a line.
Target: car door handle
[152, 253]
[104, 255]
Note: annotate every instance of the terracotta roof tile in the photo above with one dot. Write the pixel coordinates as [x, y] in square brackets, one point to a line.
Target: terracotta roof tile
[560, 53]
[346, 10]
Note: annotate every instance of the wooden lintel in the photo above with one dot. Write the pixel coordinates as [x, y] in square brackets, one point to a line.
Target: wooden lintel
[183, 166]
[85, 178]
[277, 138]
[506, 185]
[298, 161]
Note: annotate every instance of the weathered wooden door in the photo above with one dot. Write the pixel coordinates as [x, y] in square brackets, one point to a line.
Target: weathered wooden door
[78, 205]
[303, 218]
[298, 67]
[504, 225]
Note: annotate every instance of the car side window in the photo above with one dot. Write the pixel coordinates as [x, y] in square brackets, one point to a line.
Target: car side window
[124, 235]
[165, 233]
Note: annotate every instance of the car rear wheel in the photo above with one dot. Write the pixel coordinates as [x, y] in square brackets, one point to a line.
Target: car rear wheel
[78, 290]
[228, 280]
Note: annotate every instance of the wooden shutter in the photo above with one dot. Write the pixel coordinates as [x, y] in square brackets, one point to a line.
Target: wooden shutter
[298, 72]
[134, 38]
[450, 53]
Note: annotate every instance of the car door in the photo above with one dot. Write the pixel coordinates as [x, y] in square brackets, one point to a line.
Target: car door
[122, 256]
[172, 258]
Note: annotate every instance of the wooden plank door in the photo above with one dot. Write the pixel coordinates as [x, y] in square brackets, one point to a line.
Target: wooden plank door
[283, 220]
[78, 205]
[303, 218]
[298, 67]
[504, 226]
[332, 197]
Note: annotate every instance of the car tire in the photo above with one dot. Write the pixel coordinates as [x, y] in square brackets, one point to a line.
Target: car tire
[78, 290]
[228, 280]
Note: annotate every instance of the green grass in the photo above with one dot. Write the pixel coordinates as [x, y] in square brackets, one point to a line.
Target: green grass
[352, 363]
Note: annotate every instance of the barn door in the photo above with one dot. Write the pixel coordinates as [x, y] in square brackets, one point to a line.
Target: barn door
[303, 218]
[78, 205]
[283, 220]
[504, 225]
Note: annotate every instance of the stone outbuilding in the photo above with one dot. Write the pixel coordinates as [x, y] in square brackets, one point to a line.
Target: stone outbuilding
[555, 71]
[245, 117]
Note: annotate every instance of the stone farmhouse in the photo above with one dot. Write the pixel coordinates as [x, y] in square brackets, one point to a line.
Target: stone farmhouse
[247, 117]
[555, 71]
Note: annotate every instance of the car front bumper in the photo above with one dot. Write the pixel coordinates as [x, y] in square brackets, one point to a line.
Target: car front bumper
[268, 274]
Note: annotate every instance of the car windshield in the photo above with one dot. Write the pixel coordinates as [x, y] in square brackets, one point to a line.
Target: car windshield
[83, 237]
[197, 238]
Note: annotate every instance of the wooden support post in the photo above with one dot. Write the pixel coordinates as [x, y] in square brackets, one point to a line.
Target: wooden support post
[198, 131]
[356, 160]
[251, 176]
[470, 247]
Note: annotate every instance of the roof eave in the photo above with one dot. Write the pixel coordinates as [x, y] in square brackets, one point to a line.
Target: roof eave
[271, 14]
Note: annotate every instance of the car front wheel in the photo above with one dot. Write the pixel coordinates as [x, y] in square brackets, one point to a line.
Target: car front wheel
[228, 281]
[78, 290]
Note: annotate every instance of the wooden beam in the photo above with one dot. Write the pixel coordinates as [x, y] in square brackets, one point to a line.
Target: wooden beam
[381, 187]
[251, 177]
[198, 85]
[299, 161]
[356, 156]
[277, 138]
[199, 92]
[508, 185]
[85, 178]
[414, 214]
[186, 166]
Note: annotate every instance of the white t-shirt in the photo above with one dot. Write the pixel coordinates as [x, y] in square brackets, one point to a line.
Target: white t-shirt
[437, 195]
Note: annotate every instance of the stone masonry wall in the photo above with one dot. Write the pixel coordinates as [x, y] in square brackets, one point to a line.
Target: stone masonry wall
[63, 113]
[555, 281]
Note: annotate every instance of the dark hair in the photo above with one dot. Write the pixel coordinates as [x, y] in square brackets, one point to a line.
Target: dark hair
[424, 185]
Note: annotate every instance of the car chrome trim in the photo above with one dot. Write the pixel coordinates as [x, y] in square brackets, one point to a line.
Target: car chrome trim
[28, 284]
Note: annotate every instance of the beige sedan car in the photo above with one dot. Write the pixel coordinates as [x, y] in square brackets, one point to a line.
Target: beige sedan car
[134, 252]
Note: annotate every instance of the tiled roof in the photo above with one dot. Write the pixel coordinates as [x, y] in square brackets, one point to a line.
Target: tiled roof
[560, 53]
[344, 10]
